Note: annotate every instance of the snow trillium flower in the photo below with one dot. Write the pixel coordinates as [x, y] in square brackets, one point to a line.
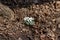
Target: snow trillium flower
[29, 21]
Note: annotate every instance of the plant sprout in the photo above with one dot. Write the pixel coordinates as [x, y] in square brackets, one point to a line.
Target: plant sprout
[29, 21]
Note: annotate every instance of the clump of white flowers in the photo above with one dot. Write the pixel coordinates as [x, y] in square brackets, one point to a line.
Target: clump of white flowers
[29, 20]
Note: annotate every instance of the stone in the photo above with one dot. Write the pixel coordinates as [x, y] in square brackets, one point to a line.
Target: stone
[57, 5]
[58, 20]
[6, 12]
[58, 25]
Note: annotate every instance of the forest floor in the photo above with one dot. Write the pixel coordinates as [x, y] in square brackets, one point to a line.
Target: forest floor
[47, 22]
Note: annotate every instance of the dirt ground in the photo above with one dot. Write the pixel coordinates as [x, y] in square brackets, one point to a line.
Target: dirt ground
[47, 22]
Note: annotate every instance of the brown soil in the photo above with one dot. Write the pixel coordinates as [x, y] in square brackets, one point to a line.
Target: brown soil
[47, 22]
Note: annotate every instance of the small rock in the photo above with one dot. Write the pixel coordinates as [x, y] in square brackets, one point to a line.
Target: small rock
[19, 39]
[58, 4]
[58, 25]
[58, 20]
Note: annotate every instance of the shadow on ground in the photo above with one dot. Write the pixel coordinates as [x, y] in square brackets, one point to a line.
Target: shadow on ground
[24, 3]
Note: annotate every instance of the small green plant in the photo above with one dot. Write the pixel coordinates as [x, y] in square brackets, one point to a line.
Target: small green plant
[29, 21]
